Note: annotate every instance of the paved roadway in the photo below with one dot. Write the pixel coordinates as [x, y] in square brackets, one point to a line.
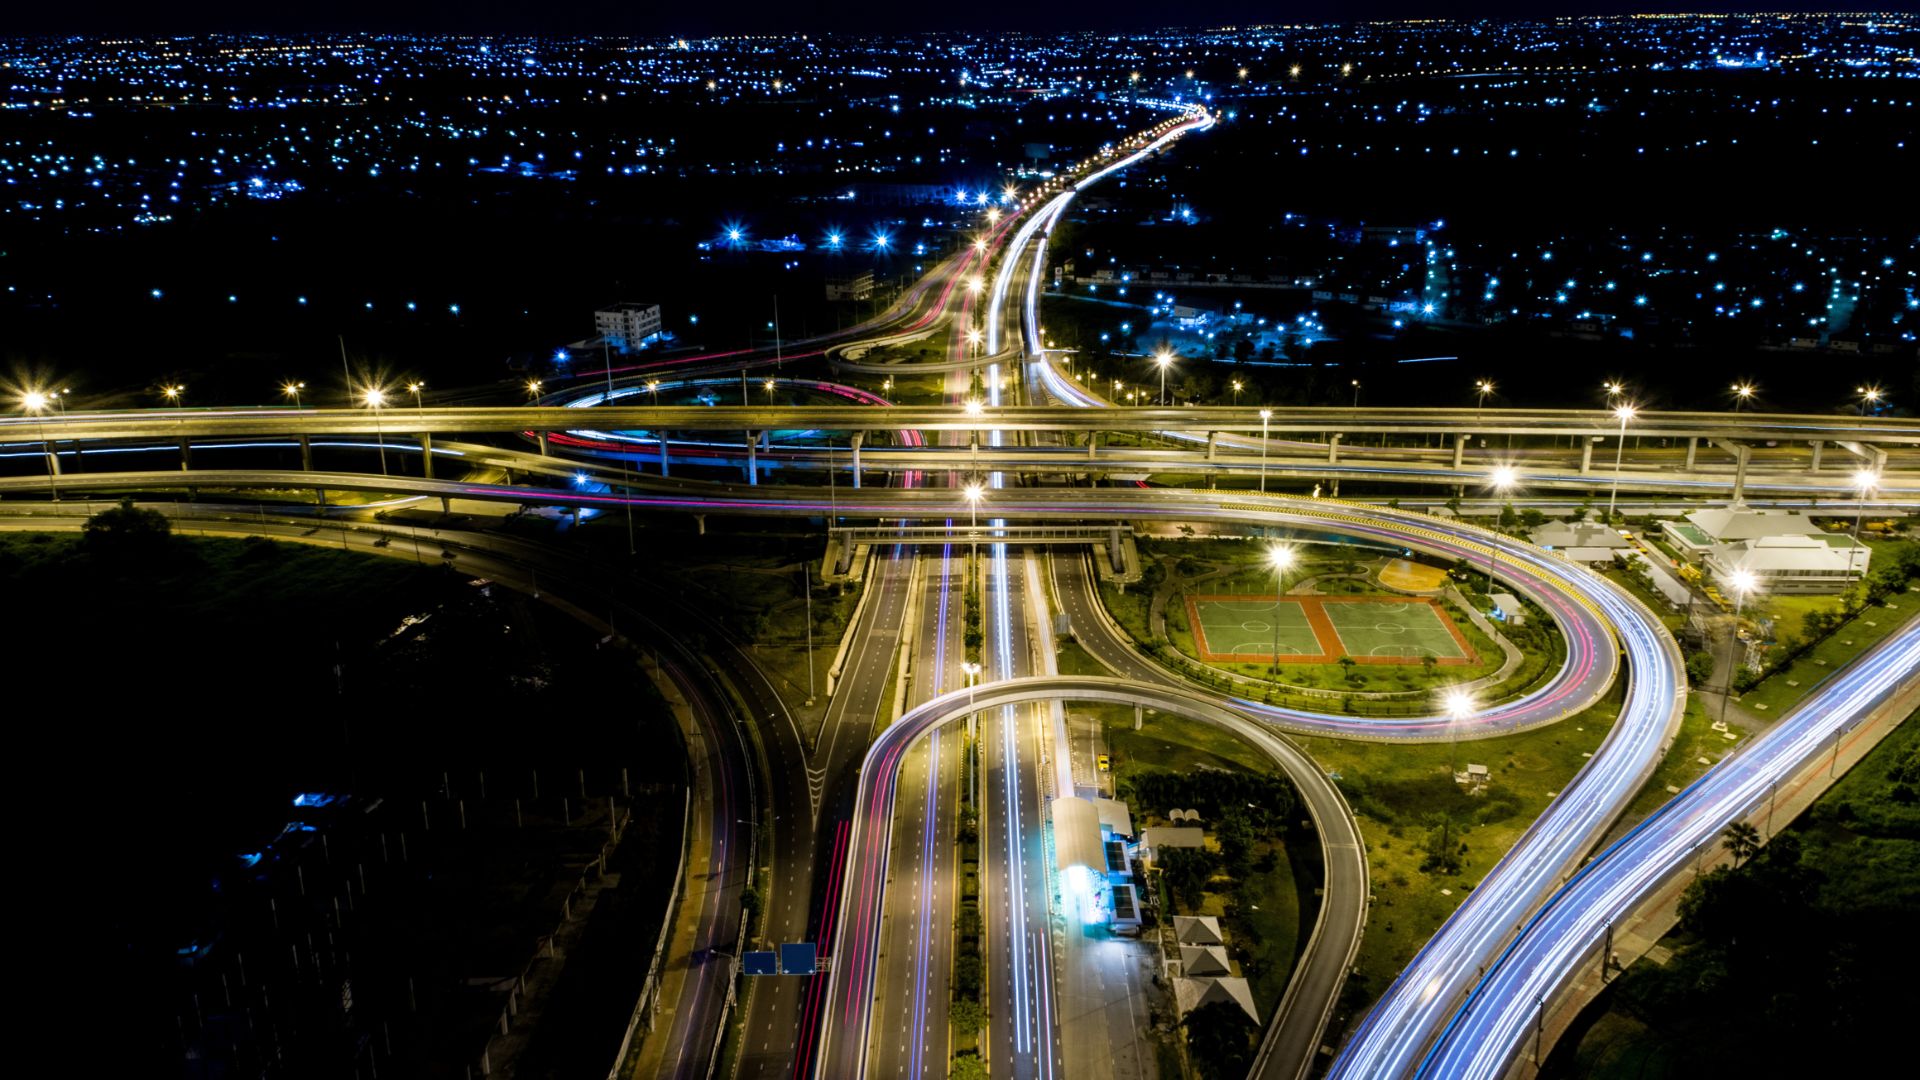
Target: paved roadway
[1561, 940]
[230, 423]
[870, 843]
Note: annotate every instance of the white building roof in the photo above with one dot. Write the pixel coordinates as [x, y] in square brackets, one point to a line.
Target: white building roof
[1193, 993]
[1792, 554]
[1115, 816]
[1727, 525]
[1197, 930]
[1168, 836]
[1197, 960]
[1076, 835]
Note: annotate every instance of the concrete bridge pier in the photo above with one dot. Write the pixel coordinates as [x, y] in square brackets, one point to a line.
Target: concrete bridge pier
[1818, 445]
[426, 455]
[1333, 449]
[1693, 447]
[1586, 457]
[699, 524]
[1213, 445]
[306, 454]
[1741, 454]
[663, 454]
[541, 438]
[1116, 553]
[1460, 450]
[186, 455]
[753, 458]
[858, 438]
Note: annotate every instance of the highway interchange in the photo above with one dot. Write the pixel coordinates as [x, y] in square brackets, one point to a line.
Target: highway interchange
[859, 815]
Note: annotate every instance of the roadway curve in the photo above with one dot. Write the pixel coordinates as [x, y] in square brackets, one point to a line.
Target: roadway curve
[856, 941]
[1560, 941]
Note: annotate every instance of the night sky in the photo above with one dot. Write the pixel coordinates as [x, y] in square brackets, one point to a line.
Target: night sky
[108, 17]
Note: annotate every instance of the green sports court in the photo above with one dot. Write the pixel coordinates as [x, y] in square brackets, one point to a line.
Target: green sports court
[1321, 629]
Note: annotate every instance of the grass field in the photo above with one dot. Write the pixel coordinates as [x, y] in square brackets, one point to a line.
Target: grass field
[1320, 630]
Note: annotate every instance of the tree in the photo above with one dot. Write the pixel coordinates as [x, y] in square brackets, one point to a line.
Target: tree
[1428, 663]
[1509, 517]
[1187, 871]
[1742, 841]
[966, 1015]
[1700, 668]
[1220, 1040]
[967, 975]
[1531, 518]
[967, 1067]
[126, 530]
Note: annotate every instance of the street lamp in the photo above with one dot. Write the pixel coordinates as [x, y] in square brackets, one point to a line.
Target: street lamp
[1613, 390]
[36, 402]
[653, 387]
[974, 407]
[1869, 395]
[1356, 393]
[1483, 388]
[533, 389]
[172, 394]
[1164, 359]
[1625, 413]
[1265, 415]
[1459, 706]
[1280, 557]
[1502, 480]
[769, 388]
[292, 390]
[414, 388]
[1741, 392]
[1865, 480]
[375, 398]
[1236, 392]
[1742, 582]
[973, 493]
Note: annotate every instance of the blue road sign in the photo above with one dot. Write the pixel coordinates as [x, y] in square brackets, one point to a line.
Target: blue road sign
[760, 963]
[797, 959]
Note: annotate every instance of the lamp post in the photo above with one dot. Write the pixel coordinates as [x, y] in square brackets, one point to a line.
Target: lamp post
[653, 387]
[1625, 413]
[1483, 388]
[1502, 480]
[1741, 392]
[769, 388]
[35, 402]
[973, 494]
[1356, 393]
[1865, 480]
[414, 388]
[1265, 415]
[1741, 581]
[173, 393]
[292, 390]
[1236, 393]
[1459, 707]
[1164, 359]
[376, 397]
[533, 390]
[1281, 559]
[1613, 389]
[1869, 395]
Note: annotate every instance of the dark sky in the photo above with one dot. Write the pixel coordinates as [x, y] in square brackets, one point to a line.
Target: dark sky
[109, 17]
